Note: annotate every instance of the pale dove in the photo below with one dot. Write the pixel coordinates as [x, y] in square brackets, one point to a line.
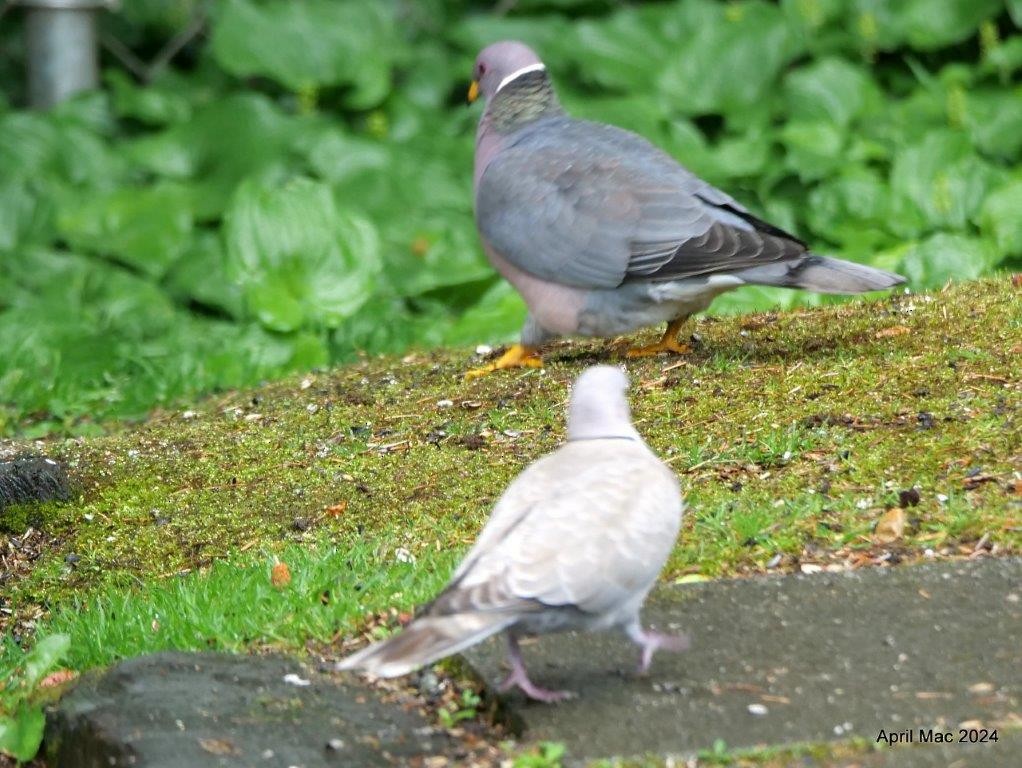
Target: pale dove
[602, 233]
[575, 543]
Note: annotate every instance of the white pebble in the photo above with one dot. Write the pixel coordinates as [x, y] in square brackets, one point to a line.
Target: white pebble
[758, 709]
[292, 679]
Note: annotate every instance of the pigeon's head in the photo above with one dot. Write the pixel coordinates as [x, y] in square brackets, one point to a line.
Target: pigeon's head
[500, 63]
[599, 405]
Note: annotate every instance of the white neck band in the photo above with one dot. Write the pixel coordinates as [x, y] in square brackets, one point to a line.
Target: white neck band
[537, 67]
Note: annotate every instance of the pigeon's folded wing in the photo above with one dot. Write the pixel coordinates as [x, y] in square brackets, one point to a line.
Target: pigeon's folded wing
[593, 206]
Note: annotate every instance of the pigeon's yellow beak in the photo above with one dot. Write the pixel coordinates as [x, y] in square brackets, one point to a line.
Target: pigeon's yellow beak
[473, 91]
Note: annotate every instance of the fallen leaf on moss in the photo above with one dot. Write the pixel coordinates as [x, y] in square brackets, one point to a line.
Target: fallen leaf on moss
[336, 510]
[59, 677]
[894, 330]
[890, 526]
[280, 576]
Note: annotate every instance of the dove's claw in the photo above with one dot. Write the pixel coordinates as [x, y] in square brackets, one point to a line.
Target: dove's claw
[668, 343]
[519, 678]
[517, 356]
[651, 642]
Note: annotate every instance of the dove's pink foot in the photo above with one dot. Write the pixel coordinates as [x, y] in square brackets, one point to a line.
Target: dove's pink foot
[651, 642]
[519, 677]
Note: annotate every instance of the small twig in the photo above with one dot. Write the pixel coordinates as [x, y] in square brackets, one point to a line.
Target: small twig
[176, 43]
[123, 54]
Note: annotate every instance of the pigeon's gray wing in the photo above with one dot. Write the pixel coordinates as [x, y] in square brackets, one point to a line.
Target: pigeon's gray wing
[593, 206]
[587, 527]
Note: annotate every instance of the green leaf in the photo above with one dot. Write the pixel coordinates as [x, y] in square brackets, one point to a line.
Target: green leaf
[1000, 217]
[994, 120]
[927, 27]
[154, 104]
[943, 257]
[309, 44]
[147, 228]
[497, 317]
[851, 209]
[223, 143]
[938, 183]
[831, 89]
[427, 253]
[730, 57]
[22, 733]
[299, 259]
[44, 656]
[814, 148]
[621, 52]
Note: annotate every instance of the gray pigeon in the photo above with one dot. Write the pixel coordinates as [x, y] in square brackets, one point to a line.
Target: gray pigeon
[602, 233]
[575, 543]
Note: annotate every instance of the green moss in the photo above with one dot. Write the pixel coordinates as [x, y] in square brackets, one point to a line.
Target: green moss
[792, 433]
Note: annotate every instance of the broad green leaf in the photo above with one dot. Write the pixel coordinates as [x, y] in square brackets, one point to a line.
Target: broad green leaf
[831, 89]
[731, 58]
[994, 120]
[497, 317]
[941, 180]
[44, 656]
[1000, 217]
[1015, 9]
[25, 215]
[927, 26]
[147, 228]
[223, 143]
[814, 148]
[201, 276]
[150, 104]
[942, 257]
[21, 733]
[389, 325]
[851, 209]
[621, 52]
[301, 261]
[309, 44]
[433, 252]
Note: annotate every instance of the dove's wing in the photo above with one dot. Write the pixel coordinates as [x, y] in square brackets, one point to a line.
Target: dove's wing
[592, 206]
[589, 526]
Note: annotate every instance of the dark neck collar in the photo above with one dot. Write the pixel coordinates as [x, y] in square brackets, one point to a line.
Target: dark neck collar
[524, 100]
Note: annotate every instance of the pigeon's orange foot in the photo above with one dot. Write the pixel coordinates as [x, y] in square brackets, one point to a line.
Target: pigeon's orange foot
[517, 356]
[664, 345]
[668, 343]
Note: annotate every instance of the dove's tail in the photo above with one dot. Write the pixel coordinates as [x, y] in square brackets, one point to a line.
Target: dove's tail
[424, 641]
[822, 274]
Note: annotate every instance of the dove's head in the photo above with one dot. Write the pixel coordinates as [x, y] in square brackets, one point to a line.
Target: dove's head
[599, 405]
[499, 64]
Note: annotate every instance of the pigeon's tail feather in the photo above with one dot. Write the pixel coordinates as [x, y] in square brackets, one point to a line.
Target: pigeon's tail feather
[823, 275]
[424, 641]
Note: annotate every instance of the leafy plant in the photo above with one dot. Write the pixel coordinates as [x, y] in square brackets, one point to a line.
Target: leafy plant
[466, 709]
[546, 754]
[294, 189]
[21, 719]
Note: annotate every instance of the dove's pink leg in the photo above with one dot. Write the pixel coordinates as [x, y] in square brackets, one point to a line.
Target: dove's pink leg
[519, 677]
[651, 642]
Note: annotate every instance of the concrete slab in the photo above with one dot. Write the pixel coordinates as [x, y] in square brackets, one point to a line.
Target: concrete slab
[787, 659]
[170, 710]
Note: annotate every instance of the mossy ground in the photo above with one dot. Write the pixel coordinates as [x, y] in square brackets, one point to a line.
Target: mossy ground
[793, 433]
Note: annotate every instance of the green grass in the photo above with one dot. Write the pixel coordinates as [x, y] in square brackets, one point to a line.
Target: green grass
[787, 454]
[233, 605]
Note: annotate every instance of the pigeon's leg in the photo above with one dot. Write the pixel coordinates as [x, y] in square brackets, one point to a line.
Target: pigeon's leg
[651, 642]
[517, 356]
[668, 343]
[519, 677]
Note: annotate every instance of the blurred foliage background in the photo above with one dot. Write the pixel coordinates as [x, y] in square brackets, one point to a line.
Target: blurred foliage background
[294, 186]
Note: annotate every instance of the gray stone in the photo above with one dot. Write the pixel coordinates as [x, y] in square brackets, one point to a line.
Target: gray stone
[32, 478]
[170, 710]
[829, 656]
